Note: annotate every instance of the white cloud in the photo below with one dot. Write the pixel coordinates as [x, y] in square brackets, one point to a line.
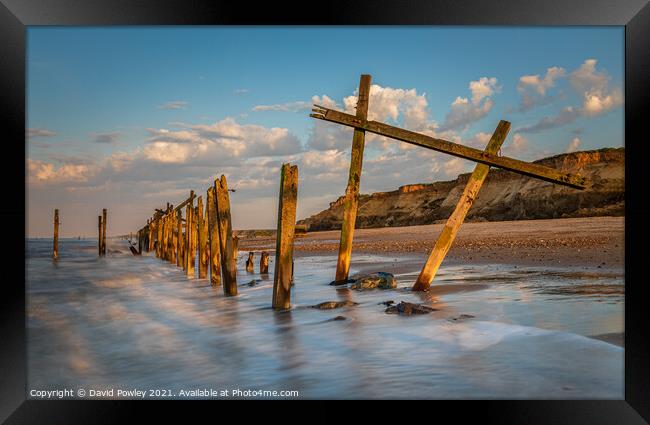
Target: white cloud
[538, 84]
[42, 172]
[284, 107]
[465, 111]
[39, 132]
[573, 145]
[534, 88]
[176, 104]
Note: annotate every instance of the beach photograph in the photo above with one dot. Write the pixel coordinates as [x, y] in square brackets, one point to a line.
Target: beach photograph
[312, 212]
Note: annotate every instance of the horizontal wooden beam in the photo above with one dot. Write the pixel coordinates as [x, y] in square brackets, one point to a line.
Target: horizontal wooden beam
[521, 167]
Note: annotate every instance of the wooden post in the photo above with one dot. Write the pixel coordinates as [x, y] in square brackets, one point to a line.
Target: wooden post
[228, 265]
[249, 262]
[213, 238]
[450, 230]
[203, 255]
[99, 237]
[178, 241]
[235, 249]
[264, 263]
[189, 219]
[354, 178]
[150, 235]
[159, 237]
[104, 223]
[195, 236]
[55, 248]
[284, 239]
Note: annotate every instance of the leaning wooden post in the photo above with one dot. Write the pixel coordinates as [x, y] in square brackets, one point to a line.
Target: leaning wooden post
[189, 219]
[99, 237]
[284, 238]
[450, 230]
[213, 238]
[249, 262]
[203, 255]
[55, 248]
[264, 263]
[104, 222]
[354, 178]
[228, 261]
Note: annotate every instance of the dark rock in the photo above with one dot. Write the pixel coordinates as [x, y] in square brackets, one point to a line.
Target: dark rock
[388, 303]
[329, 305]
[339, 318]
[379, 280]
[341, 282]
[408, 309]
[461, 318]
[253, 282]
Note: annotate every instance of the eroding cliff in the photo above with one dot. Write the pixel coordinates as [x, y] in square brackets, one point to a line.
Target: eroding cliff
[504, 196]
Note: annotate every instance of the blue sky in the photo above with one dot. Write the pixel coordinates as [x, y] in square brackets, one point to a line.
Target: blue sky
[110, 107]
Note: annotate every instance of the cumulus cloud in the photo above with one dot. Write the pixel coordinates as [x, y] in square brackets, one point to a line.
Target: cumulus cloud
[40, 172]
[405, 107]
[534, 88]
[573, 145]
[39, 132]
[176, 104]
[106, 138]
[284, 107]
[597, 98]
[466, 111]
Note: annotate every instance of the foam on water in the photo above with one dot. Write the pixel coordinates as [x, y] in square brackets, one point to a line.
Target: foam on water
[136, 322]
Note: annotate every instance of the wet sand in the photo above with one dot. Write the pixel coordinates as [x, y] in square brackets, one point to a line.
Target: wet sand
[592, 242]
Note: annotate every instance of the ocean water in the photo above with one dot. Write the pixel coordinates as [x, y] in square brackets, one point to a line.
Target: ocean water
[123, 322]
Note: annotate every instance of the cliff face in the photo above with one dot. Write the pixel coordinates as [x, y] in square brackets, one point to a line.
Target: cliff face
[504, 196]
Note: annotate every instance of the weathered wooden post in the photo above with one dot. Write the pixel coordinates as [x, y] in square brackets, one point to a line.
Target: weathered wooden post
[284, 239]
[450, 230]
[264, 263]
[104, 223]
[213, 238]
[179, 238]
[228, 265]
[195, 236]
[99, 237]
[55, 248]
[235, 249]
[159, 236]
[203, 255]
[249, 262]
[150, 237]
[170, 237]
[189, 219]
[354, 178]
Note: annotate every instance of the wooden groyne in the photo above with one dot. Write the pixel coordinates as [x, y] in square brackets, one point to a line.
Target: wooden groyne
[208, 229]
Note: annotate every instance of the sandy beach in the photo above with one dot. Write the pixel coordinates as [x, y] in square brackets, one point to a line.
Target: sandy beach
[592, 242]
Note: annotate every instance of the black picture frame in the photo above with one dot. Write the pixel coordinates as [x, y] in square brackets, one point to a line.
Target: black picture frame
[16, 15]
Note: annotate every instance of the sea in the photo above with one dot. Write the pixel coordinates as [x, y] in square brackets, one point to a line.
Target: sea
[125, 326]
